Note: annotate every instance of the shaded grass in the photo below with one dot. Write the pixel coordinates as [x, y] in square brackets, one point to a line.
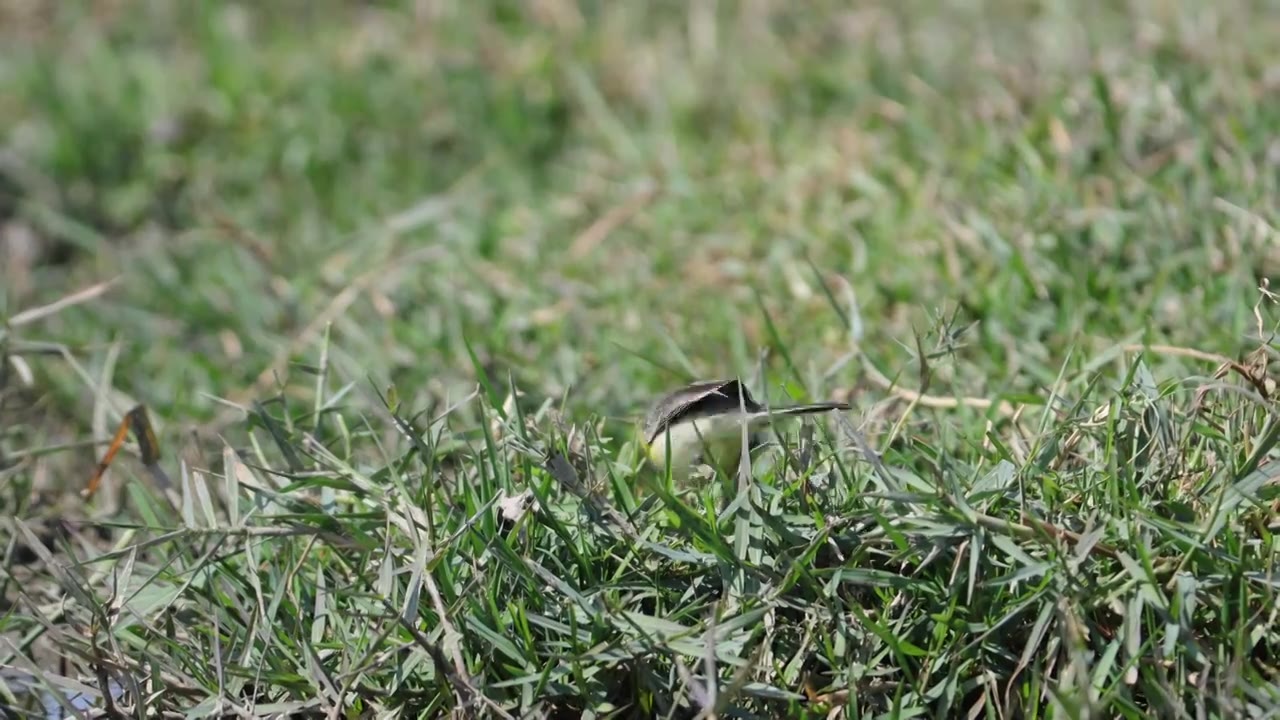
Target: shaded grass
[330, 220]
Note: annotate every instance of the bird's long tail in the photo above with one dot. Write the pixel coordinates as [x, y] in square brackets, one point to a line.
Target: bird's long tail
[806, 408]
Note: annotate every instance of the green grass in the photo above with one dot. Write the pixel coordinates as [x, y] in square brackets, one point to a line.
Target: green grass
[397, 280]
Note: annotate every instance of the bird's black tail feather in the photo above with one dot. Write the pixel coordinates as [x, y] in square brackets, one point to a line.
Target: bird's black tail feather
[808, 408]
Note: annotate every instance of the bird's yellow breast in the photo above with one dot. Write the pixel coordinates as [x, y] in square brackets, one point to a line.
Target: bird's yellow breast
[714, 439]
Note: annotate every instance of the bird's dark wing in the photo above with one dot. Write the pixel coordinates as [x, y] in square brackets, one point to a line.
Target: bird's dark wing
[697, 400]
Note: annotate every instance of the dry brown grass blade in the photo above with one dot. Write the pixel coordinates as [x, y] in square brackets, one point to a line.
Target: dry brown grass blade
[148, 447]
[1004, 408]
[1252, 370]
[1177, 351]
[932, 401]
[27, 317]
[604, 225]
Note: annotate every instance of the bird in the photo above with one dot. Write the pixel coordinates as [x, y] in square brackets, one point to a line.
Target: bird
[702, 422]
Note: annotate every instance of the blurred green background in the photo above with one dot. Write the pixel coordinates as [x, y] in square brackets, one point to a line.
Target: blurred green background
[605, 199]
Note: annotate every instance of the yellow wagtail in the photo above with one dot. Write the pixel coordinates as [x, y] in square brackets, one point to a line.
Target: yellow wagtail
[705, 419]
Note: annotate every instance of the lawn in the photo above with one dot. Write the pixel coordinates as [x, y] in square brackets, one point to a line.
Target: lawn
[397, 281]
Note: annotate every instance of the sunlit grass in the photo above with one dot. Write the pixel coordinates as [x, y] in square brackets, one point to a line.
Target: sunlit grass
[396, 285]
